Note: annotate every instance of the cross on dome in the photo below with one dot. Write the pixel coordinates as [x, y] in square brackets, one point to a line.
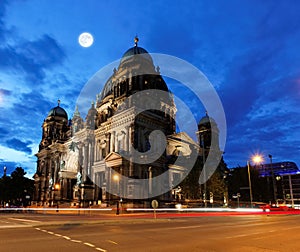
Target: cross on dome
[136, 40]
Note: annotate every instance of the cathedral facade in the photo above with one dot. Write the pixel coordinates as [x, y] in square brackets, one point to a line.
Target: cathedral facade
[86, 161]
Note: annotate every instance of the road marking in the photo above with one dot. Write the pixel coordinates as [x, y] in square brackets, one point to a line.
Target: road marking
[249, 234]
[113, 242]
[77, 241]
[237, 236]
[89, 244]
[185, 227]
[100, 249]
[25, 220]
[290, 228]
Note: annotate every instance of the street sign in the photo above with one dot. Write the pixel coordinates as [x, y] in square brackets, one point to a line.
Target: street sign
[238, 195]
[211, 197]
[154, 204]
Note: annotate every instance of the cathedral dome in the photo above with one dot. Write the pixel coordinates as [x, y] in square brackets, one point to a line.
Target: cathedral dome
[136, 50]
[58, 111]
[136, 63]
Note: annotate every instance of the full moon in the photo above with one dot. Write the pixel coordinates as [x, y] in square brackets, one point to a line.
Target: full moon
[85, 39]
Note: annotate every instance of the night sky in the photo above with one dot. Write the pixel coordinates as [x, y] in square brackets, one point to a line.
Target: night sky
[249, 51]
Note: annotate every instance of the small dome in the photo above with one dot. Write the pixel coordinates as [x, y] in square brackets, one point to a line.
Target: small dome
[206, 120]
[58, 111]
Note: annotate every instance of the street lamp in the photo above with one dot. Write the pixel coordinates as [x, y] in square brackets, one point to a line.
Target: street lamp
[116, 178]
[56, 189]
[256, 159]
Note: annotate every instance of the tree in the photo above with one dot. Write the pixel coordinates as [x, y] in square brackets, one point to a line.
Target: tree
[14, 189]
[190, 185]
[216, 184]
[5, 190]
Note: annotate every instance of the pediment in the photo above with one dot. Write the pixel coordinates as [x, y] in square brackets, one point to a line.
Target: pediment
[183, 137]
[112, 156]
[113, 159]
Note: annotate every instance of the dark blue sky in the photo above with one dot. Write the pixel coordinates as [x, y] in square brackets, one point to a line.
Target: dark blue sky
[249, 50]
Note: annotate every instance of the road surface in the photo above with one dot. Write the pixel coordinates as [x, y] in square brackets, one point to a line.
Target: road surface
[37, 232]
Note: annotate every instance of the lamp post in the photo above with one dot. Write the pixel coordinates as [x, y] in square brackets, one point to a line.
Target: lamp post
[256, 159]
[150, 181]
[116, 178]
[249, 181]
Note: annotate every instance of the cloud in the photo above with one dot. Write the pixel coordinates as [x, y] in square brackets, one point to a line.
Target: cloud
[3, 4]
[34, 104]
[10, 154]
[5, 92]
[19, 145]
[32, 108]
[31, 58]
[3, 132]
[35, 51]
[268, 129]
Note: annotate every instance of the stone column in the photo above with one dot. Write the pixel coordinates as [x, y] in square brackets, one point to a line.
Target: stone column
[90, 157]
[84, 161]
[127, 139]
[130, 149]
[100, 151]
[112, 141]
[117, 147]
[80, 158]
[96, 153]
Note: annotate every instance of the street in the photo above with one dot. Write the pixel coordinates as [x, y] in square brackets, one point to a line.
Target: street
[38, 232]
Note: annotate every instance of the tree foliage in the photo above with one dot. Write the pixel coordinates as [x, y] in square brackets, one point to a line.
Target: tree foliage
[16, 188]
[190, 185]
[216, 184]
